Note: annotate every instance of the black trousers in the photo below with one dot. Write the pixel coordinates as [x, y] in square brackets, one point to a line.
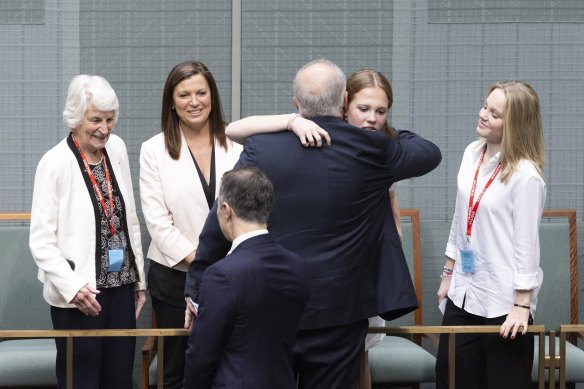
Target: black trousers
[166, 288]
[329, 357]
[99, 363]
[484, 361]
[170, 316]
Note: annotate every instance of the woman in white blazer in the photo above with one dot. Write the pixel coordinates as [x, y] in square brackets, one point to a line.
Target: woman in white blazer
[180, 171]
[85, 238]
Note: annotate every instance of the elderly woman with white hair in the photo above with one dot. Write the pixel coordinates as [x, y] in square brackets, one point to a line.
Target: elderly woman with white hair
[85, 238]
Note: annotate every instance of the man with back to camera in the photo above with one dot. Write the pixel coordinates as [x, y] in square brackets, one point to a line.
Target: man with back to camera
[250, 303]
[331, 208]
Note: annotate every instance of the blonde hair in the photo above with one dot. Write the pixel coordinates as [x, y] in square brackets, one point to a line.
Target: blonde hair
[523, 133]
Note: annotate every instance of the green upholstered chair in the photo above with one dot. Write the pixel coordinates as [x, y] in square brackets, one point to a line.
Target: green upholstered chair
[23, 362]
[558, 298]
[399, 360]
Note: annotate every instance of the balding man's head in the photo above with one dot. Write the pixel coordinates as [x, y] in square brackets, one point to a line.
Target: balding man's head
[319, 89]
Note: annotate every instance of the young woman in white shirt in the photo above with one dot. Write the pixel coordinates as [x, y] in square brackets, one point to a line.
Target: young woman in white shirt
[491, 275]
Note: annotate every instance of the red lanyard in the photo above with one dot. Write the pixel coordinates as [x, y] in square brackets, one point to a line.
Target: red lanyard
[472, 209]
[96, 186]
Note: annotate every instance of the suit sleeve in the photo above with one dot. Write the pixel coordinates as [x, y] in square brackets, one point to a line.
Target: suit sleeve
[212, 244]
[248, 156]
[217, 313]
[410, 155]
[212, 247]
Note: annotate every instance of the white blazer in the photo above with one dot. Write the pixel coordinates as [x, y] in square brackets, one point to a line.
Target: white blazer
[173, 201]
[62, 224]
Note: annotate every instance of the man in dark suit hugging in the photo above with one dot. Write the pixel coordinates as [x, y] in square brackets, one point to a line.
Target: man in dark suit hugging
[332, 209]
[250, 304]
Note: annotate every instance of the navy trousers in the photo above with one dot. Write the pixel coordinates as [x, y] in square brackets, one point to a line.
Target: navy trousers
[99, 363]
[329, 357]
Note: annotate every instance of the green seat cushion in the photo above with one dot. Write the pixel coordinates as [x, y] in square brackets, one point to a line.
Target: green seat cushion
[399, 360]
[153, 370]
[28, 362]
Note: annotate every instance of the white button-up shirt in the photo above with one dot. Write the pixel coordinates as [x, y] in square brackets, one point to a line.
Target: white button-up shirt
[504, 236]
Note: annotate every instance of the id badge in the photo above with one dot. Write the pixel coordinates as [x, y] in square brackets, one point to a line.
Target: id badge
[115, 259]
[467, 258]
[115, 253]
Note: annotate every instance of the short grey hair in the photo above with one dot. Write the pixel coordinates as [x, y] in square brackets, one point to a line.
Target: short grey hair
[85, 91]
[325, 98]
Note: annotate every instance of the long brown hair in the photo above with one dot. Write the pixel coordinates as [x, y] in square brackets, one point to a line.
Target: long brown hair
[369, 78]
[523, 134]
[169, 121]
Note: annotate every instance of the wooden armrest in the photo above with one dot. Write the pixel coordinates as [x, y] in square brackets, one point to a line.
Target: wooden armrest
[150, 346]
[433, 338]
[148, 353]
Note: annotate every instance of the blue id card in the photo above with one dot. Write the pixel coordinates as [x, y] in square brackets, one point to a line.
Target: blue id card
[467, 258]
[116, 259]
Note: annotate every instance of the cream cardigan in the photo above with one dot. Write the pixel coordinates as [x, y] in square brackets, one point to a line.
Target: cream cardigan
[62, 225]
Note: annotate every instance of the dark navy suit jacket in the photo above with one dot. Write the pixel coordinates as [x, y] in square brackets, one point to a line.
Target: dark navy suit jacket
[332, 209]
[250, 308]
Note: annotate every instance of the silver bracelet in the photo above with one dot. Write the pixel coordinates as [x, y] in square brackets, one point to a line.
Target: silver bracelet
[446, 272]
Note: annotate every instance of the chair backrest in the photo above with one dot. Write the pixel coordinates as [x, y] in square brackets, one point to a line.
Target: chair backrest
[22, 305]
[558, 297]
[410, 220]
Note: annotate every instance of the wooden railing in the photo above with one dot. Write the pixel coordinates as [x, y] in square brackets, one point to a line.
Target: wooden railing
[160, 333]
[451, 331]
[565, 331]
[551, 361]
[15, 216]
[70, 334]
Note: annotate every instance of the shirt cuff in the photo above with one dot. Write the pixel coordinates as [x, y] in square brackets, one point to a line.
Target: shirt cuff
[451, 251]
[194, 305]
[525, 281]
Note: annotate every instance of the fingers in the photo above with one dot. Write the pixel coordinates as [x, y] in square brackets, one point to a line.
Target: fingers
[523, 325]
[140, 302]
[514, 330]
[188, 325]
[326, 136]
[314, 137]
[92, 289]
[92, 306]
[86, 302]
[511, 328]
[88, 305]
[443, 289]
